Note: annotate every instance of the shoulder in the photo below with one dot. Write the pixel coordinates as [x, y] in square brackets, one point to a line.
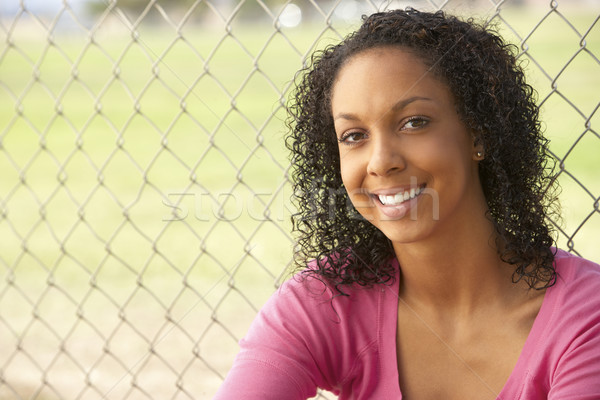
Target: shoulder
[574, 297]
[309, 293]
[311, 301]
[571, 308]
[576, 277]
[569, 339]
[564, 259]
[307, 329]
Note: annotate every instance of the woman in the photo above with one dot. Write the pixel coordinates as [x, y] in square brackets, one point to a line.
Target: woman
[423, 188]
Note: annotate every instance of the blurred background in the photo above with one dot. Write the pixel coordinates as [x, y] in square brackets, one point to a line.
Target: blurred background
[144, 195]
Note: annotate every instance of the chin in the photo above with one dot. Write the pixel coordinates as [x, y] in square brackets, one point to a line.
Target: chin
[402, 234]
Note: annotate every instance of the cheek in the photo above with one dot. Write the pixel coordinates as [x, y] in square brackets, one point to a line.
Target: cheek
[352, 177]
[449, 155]
[448, 164]
[350, 170]
[345, 169]
[350, 185]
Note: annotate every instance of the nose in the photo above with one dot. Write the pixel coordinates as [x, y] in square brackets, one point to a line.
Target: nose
[385, 157]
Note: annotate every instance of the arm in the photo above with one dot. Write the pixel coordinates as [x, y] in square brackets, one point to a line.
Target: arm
[577, 375]
[281, 356]
[263, 379]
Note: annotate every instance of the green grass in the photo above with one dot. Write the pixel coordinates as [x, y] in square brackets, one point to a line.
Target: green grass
[98, 151]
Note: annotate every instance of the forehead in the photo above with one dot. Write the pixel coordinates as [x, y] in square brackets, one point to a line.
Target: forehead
[384, 75]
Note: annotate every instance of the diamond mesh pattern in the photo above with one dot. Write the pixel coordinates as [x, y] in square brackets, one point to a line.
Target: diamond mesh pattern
[144, 201]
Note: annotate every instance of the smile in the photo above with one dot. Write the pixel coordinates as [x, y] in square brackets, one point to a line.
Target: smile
[400, 197]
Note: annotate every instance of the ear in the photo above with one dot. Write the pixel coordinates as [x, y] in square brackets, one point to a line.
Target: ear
[478, 151]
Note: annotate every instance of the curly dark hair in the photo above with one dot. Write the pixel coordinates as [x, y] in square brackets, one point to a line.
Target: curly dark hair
[494, 102]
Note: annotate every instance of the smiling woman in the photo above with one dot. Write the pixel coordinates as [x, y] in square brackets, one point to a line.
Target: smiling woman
[400, 135]
[423, 185]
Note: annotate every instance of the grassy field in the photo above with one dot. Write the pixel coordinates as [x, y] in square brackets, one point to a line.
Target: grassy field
[565, 74]
[144, 199]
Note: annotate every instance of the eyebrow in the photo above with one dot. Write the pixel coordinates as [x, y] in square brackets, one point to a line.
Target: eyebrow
[396, 107]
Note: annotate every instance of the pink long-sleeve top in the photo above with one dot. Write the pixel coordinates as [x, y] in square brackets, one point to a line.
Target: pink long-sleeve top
[302, 340]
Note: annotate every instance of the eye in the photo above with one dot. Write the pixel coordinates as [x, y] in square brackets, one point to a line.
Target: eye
[352, 137]
[415, 123]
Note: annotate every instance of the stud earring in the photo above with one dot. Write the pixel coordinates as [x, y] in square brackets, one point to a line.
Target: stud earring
[479, 155]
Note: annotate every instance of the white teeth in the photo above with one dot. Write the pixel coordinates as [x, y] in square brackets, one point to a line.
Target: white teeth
[399, 198]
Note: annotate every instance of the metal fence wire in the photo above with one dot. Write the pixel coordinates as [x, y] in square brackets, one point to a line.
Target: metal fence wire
[144, 200]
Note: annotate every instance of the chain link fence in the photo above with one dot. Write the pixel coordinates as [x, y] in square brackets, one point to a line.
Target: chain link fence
[144, 201]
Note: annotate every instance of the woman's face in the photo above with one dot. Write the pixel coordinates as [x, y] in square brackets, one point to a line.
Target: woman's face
[407, 161]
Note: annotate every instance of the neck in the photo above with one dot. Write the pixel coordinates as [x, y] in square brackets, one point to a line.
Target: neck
[456, 272]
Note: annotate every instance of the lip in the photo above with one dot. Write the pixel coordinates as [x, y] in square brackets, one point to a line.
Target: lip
[395, 212]
[395, 189]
